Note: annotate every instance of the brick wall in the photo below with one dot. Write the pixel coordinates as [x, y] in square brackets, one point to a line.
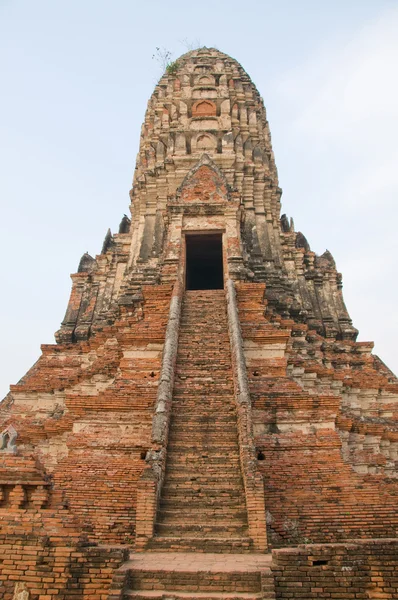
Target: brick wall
[84, 416]
[312, 493]
[64, 571]
[360, 569]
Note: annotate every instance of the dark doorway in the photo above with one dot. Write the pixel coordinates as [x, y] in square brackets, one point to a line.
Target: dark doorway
[204, 269]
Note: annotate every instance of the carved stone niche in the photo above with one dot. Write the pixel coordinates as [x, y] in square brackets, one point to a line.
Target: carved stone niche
[8, 440]
[204, 108]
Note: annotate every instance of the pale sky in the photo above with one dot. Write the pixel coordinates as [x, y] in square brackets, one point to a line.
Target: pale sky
[75, 79]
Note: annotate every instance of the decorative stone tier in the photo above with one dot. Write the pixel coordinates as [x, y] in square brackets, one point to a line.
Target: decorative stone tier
[206, 162]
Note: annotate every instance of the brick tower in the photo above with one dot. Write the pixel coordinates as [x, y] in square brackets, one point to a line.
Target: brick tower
[207, 426]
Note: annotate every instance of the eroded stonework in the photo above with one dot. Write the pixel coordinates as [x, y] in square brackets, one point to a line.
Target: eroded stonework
[234, 421]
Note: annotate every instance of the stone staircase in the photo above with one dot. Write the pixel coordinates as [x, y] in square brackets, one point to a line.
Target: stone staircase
[201, 549]
[203, 500]
[200, 576]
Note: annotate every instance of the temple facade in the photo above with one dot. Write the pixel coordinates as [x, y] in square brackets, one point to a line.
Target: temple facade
[206, 425]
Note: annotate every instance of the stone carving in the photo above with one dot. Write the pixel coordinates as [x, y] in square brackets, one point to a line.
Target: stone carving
[8, 440]
[204, 186]
[124, 226]
[107, 242]
[301, 242]
[87, 263]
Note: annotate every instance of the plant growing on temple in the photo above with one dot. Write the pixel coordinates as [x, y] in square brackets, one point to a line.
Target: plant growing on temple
[164, 58]
[172, 68]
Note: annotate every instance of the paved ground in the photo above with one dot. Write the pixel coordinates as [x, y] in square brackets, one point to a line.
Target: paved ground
[199, 561]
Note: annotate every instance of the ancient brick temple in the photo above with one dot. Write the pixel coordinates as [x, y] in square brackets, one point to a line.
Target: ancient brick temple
[207, 425]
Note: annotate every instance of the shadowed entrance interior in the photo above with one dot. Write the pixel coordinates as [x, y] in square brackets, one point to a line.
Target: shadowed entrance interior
[204, 262]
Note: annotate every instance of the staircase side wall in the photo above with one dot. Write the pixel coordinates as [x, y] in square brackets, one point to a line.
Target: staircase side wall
[254, 490]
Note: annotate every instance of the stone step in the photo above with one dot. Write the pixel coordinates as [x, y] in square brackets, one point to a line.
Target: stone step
[196, 305]
[206, 365]
[167, 568]
[208, 349]
[199, 530]
[172, 524]
[178, 595]
[204, 304]
[192, 446]
[195, 402]
[197, 423]
[203, 469]
[202, 489]
[204, 384]
[199, 365]
[217, 396]
[202, 492]
[208, 456]
[187, 371]
[196, 394]
[205, 514]
[186, 410]
[204, 299]
[204, 359]
[211, 326]
[204, 376]
[210, 436]
[194, 426]
[202, 387]
[206, 353]
[200, 504]
[191, 338]
[192, 452]
[195, 581]
[203, 437]
[209, 487]
[206, 312]
[220, 515]
[203, 417]
[203, 442]
[229, 544]
[225, 478]
[204, 323]
[207, 392]
[193, 449]
[196, 419]
[189, 332]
